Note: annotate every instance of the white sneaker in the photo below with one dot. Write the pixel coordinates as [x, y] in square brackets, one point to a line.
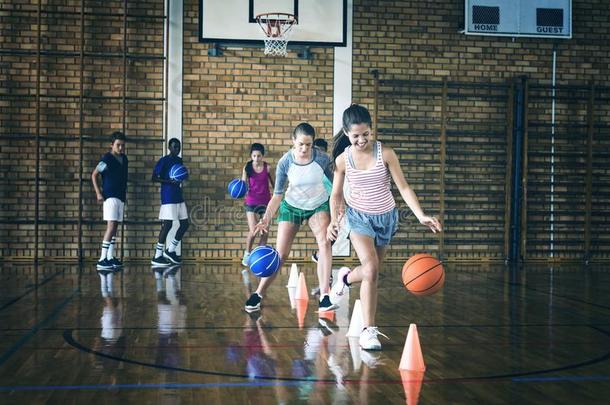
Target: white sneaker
[336, 369]
[368, 338]
[337, 290]
[371, 359]
[244, 261]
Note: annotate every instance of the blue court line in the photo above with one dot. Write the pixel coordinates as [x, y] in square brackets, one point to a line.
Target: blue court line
[58, 308]
[562, 379]
[43, 282]
[254, 384]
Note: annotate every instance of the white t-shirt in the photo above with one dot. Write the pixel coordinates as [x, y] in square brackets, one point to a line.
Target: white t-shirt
[305, 182]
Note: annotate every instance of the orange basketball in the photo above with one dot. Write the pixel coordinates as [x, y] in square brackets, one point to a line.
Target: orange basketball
[423, 274]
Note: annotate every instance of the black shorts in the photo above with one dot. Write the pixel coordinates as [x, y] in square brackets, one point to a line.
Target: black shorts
[257, 209]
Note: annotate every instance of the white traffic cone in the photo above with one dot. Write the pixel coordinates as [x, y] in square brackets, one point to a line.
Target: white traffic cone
[357, 323]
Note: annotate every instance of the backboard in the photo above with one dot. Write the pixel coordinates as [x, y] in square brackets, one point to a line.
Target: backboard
[320, 22]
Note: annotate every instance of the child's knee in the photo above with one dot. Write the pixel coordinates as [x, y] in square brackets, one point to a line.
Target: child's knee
[370, 271]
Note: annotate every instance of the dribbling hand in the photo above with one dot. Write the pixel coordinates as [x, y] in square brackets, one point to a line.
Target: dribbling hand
[432, 223]
[262, 226]
[332, 232]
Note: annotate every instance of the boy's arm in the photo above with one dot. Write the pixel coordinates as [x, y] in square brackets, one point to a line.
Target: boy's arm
[407, 193]
[96, 187]
[156, 176]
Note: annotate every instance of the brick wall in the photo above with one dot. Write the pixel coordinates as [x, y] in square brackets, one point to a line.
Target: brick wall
[239, 98]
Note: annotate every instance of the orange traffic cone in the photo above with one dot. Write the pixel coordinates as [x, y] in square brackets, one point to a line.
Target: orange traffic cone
[412, 357]
[330, 315]
[301, 311]
[302, 288]
[412, 382]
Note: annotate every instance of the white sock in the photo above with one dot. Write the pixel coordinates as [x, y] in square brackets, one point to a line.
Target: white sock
[105, 246]
[110, 254]
[158, 250]
[172, 246]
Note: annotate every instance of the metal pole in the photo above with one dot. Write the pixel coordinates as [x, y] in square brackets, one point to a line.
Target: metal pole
[443, 157]
[37, 169]
[376, 101]
[124, 104]
[552, 177]
[517, 164]
[166, 79]
[80, 135]
[509, 159]
[589, 184]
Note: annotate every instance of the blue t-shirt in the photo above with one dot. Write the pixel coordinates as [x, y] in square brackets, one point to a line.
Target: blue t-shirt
[170, 193]
[114, 176]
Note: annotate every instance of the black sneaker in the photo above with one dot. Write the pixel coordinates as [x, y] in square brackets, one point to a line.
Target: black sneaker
[314, 257]
[326, 305]
[253, 303]
[115, 262]
[255, 315]
[104, 264]
[160, 262]
[172, 256]
[326, 326]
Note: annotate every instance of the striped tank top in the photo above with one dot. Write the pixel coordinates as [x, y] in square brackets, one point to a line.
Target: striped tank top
[369, 189]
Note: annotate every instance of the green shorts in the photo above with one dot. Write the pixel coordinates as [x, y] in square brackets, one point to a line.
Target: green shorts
[288, 213]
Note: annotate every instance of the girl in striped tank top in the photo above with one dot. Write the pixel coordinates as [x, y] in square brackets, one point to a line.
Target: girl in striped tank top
[371, 212]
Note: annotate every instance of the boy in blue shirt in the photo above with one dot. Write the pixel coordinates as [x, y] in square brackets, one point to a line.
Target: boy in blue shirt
[113, 168]
[173, 207]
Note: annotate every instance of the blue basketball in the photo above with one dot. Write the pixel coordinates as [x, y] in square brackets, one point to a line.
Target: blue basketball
[237, 188]
[178, 172]
[264, 261]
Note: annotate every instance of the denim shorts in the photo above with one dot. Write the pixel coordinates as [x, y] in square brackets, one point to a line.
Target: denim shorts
[257, 209]
[380, 227]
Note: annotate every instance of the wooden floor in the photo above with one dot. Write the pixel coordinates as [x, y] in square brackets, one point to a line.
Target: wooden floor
[491, 336]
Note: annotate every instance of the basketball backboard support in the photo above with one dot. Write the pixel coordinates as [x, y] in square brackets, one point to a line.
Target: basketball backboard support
[233, 22]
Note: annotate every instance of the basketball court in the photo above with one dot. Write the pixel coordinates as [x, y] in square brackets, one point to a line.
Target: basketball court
[499, 117]
[535, 336]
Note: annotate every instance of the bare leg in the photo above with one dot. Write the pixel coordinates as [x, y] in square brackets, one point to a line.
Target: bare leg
[184, 225]
[251, 217]
[165, 228]
[368, 273]
[319, 223]
[111, 228]
[286, 232]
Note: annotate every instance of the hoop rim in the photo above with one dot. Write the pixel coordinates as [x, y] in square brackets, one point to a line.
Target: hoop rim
[287, 18]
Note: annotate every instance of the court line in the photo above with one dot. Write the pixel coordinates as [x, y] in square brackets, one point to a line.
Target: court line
[592, 378]
[259, 384]
[149, 386]
[497, 377]
[43, 282]
[565, 297]
[24, 339]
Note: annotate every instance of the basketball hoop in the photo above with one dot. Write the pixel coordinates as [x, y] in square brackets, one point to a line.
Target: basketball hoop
[277, 27]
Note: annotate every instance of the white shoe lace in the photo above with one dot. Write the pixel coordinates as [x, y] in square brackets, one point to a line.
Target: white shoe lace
[373, 330]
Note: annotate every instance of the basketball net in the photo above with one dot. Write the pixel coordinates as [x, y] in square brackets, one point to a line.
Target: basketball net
[277, 27]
